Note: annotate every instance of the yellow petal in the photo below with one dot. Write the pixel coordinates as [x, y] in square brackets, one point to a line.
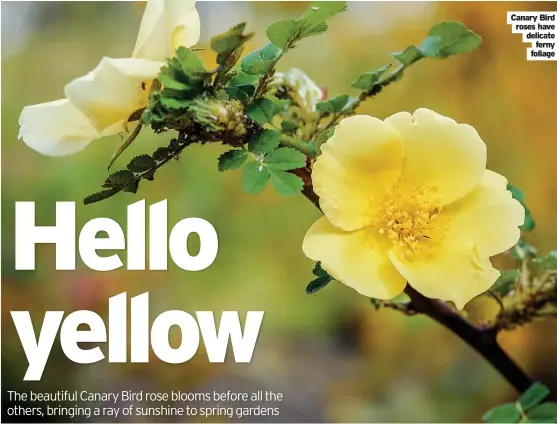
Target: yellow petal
[56, 128]
[167, 25]
[452, 273]
[358, 259]
[186, 31]
[488, 217]
[439, 152]
[361, 160]
[114, 90]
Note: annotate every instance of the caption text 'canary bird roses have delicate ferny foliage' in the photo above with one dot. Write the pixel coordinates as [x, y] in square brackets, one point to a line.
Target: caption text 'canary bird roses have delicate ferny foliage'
[409, 199]
[101, 103]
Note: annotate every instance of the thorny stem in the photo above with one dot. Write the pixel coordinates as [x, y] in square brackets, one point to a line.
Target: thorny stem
[525, 311]
[484, 341]
[174, 155]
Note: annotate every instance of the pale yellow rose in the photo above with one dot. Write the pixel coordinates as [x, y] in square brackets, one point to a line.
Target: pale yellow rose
[409, 199]
[100, 103]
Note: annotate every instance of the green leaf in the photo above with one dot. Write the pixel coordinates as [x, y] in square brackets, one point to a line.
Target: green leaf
[230, 40]
[261, 60]
[516, 192]
[523, 250]
[150, 176]
[549, 261]
[506, 282]
[132, 186]
[232, 159]
[240, 92]
[254, 177]
[284, 33]
[529, 223]
[410, 55]
[334, 105]
[449, 38]
[174, 145]
[190, 63]
[161, 154]
[285, 183]
[175, 104]
[285, 159]
[313, 22]
[318, 271]
[323, 278]
[533, 396]
[506, 413]
[545, 411]
[141, 163]
[315, 30]
[229, 47]
[118, 179]
[367, 80]
[318, 13]
[318, 284]
[101, 195]
[241, 78]
[181, 80]
[151, 115]
[264, 141]
[170, 83]
[261, 110]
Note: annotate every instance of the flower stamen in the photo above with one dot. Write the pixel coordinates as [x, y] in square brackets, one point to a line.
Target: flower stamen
[411, 217]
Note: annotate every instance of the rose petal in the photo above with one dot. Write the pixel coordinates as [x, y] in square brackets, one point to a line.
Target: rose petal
[358, 259]
[488, 217]
[114, 90]
[358, 163]
[452, 273]
[167, 25]
[439, 152]
[56, 128]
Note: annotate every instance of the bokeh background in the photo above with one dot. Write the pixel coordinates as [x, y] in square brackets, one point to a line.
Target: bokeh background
[332, 355]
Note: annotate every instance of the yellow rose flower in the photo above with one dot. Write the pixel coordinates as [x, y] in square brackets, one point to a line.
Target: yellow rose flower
[409, 199]
[100, 103]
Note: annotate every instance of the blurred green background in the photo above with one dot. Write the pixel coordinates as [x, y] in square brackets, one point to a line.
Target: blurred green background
[332, 355]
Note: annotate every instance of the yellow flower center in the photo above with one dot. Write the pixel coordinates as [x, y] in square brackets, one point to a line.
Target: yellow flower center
[411, 218]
